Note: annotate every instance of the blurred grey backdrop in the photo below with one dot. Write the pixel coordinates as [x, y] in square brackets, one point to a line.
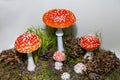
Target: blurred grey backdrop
[92, 16]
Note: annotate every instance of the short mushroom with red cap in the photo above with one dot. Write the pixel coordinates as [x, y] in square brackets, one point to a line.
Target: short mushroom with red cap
[27, 43]
[59, 18]
[89, 42]
[59, 57]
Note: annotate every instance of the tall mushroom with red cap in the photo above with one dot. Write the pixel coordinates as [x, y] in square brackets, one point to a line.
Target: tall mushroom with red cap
[27, 43]
[59, 18]
[89, 42]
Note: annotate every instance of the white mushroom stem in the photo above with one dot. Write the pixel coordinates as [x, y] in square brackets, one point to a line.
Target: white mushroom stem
[59, 34]
[88, 55]
[31, 65]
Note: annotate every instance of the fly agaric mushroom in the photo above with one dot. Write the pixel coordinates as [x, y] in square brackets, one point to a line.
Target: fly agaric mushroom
[59, 57]
[89, 42]
[59, 18]
[27, 43]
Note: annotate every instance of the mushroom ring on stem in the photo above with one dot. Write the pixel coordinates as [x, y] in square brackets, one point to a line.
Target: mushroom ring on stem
[89, 42]
[59, 18]
[27, 43]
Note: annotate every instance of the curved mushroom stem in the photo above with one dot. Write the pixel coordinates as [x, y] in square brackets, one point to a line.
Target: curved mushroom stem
[88, 55]
[31, 66]
[59, 34]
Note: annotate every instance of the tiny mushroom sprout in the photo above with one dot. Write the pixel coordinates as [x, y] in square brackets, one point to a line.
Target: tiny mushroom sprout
[27, 43]
[89, 42]
[59, 18]
[59, 57]
[79, 68]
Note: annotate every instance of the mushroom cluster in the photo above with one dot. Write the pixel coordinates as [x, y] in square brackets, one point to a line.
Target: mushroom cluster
[27, 43]
[59, 18]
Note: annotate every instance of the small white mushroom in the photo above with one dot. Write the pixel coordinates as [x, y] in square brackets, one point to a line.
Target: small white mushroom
[79, 68]
[65, 76]
[58, 65]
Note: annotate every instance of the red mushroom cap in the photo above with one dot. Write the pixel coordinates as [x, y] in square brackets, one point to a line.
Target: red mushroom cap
[59, 18]
[59, 56]
[27, 43]
[90, 42]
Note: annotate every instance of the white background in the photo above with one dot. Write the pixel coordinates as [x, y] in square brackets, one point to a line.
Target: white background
[92, 16]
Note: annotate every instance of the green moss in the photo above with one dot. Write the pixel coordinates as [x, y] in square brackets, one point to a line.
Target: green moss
[8, 72]
[46, 73]
[43, 74]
